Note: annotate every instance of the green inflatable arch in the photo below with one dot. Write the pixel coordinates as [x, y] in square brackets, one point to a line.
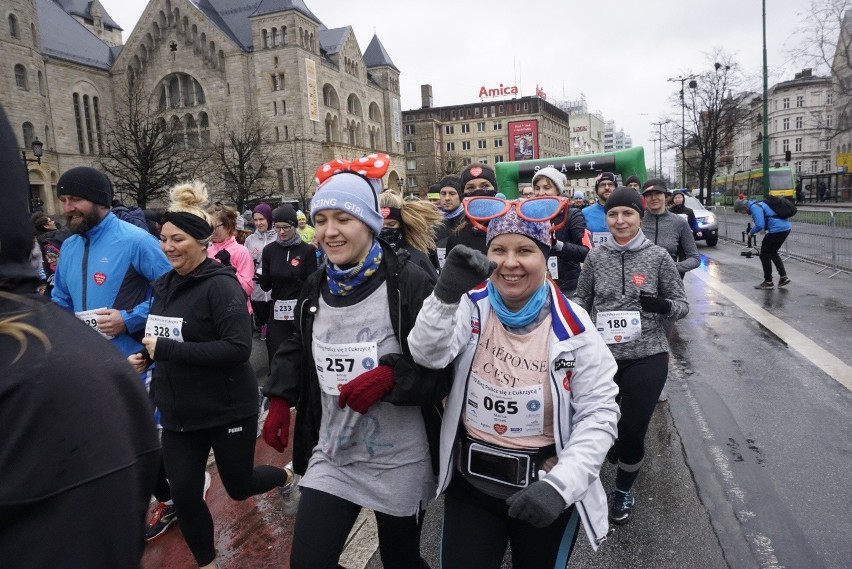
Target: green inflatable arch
[630, 162]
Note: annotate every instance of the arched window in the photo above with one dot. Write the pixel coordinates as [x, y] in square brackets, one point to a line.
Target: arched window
[276, 39]
[29, 134]
[13, 26]
[284, 35]
[21, 76]
[180, 90]
[40, 84]
[205, 130]
[265, 35]
[192, 138]
[329, 97]
[78, 119]
[87, 115]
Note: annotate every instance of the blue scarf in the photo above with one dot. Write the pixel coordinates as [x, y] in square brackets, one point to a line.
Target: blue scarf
[343, 281]
[525, 315]
[455, 213]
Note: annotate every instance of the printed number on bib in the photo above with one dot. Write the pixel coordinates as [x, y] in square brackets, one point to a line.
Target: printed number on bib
[600, 237]
[164, 327]
[619, 326]
[337, 364]
[507, 412]
[553, 267]
[284, 309]
[90, 319]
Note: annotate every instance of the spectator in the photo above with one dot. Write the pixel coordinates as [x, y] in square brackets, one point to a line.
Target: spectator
[777, 230]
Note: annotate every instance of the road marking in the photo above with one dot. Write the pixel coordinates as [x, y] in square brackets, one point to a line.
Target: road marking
[833, 366]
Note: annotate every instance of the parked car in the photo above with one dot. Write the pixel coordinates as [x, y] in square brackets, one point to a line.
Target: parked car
[707, 223]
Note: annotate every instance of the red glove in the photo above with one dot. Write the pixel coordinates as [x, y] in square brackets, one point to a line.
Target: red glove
[365, 390]
[276, 427]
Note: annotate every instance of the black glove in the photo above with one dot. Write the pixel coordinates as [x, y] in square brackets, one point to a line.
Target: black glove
[463, 269]
[539, 504]
[224, 257]
[655, 304]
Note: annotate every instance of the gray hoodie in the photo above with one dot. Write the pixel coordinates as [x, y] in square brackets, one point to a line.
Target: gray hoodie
[672, 232]
[612, 278]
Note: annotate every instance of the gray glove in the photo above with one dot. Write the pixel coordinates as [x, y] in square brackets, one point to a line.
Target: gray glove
[463, 269]
[539, 504]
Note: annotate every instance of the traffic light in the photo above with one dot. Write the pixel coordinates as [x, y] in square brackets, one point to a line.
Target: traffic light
[788, 156]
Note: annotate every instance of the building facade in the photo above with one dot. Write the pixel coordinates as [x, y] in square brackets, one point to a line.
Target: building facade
[203, 63]
[615, 139]
[443, 140]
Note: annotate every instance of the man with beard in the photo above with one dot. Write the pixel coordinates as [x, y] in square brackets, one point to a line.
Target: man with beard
[106, 266]
[594, 214]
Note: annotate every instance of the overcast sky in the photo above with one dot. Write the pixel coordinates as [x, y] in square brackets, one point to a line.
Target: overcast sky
[618, 53]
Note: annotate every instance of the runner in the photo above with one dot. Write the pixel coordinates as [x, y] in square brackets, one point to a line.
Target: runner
[666, 229]
[594, 214]
[262, 236]
[411, 226]
[532, 410]
[368, 416]
[630, 287]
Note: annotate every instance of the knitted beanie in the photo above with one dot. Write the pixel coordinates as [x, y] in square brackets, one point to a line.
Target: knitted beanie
[555, 176]
[352, 194]
[265, 210]
[87, 183]
[633, 179]
[285, 214]
[475, 171]
[451, 182]
[539, 232]
[624, 197]
[579, 196]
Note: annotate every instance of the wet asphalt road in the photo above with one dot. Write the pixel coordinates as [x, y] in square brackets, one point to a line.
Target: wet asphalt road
[748, 463]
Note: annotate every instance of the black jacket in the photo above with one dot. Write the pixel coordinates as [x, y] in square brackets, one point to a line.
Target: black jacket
[294, 378]
[206, 380]
[467, 234]
[573, 251]
[285, 269]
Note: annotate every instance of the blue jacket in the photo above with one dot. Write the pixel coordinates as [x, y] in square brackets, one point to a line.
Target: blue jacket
[111, 266]
[760, 213]
[595, 218]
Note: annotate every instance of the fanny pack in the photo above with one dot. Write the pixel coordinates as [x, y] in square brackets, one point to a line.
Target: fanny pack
[511, 469]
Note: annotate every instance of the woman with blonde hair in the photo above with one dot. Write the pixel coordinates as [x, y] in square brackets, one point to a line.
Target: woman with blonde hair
[199, 334]
[410, 225]
[225, 248]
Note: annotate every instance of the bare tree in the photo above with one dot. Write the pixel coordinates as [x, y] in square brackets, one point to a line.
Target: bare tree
[142, 155]
[242, 158]
[713, 113]
[302, 176]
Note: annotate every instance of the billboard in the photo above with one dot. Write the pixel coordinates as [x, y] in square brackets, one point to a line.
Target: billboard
[523, 135]
[313, 94]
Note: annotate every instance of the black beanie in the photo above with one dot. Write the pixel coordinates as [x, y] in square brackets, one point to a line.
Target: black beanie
[285, 214]
[624, 197]
[477, 170]
[450, 182]
[633, 179]
[604, 176]
[654, 185]
[86, 183]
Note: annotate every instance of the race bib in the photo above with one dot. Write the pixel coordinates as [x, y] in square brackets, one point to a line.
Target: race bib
[442, 256]
[284, 309]
[515, 412]
[600, 237]
[619, 326]
[553, 267]
[164, 327]
[90, 319]
[337, 364]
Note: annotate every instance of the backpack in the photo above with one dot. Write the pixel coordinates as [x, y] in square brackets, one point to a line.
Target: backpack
[783, 207]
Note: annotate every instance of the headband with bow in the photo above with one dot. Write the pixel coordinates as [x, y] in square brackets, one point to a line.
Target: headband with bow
[372, 166]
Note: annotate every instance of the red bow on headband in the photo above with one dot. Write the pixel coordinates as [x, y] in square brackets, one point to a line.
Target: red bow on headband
[372, 166]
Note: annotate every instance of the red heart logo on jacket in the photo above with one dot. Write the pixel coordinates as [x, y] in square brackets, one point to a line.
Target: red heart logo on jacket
[500, 429]
[100, 278]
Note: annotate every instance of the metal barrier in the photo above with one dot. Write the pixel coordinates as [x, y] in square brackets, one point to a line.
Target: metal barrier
[822, 237]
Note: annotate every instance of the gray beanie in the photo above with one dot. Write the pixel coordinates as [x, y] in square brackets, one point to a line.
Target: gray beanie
[555, 176]
[353, 194]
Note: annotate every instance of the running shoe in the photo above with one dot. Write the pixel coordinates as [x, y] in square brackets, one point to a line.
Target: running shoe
[621, 508]
[783, 281]
[765, 285]
[163, 516]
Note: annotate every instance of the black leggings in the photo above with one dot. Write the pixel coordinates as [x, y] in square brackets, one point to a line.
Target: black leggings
[323, 523]
[769, 248]
[185, 455]
[477, 528]
[640, 382]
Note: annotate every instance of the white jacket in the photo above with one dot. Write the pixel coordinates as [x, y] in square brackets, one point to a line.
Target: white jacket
[585, 414]
[255, 244]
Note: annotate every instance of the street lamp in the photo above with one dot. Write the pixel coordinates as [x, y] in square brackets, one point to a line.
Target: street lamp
[692, 85]
[399, 185]
[660, 124]
[38, 152]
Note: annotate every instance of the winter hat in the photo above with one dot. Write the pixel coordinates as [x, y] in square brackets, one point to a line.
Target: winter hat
[741, 205]
[558, 178]
[624, 197]
[477, 170]
[604, 176]
[86, 183]
[450, 182]
[654, 185]
[633, 179]
[285, 214]
[265, 210]
[300, 216]
[16, 231]
[579, 196]
[539, 232]
[352, 194]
